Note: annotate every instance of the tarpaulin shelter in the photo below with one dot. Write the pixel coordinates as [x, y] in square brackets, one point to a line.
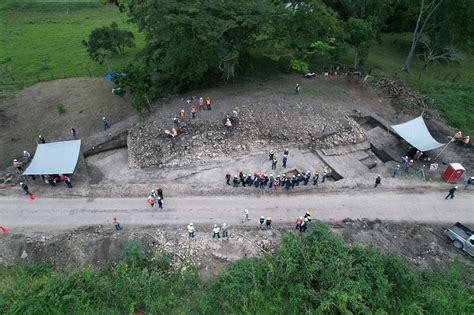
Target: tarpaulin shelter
[416, 133]
[55, 158]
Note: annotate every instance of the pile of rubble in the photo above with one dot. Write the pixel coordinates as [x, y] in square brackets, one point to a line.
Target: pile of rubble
[199, 141]
[397, 89]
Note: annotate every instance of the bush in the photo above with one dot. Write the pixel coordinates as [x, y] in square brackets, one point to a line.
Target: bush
[313, 273]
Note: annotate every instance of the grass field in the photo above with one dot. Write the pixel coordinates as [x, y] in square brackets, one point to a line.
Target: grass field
[451, 85]
[43, 41]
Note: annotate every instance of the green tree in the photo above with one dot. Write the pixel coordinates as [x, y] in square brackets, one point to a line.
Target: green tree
[359, 35]
[136, 79]
[108, 41]
[188, 41]
[306, 31]
[425, 14]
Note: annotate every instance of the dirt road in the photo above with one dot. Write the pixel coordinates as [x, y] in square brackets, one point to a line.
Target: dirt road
[50, 213]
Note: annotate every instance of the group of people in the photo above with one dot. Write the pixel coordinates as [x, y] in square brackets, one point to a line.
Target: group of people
[459, 138]
[180, 118]
[262, 180]
[263, 223]
[156, 197]
[216, 231]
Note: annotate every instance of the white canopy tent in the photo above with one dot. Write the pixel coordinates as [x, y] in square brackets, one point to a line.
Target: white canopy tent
[55, 158]
[415, 133]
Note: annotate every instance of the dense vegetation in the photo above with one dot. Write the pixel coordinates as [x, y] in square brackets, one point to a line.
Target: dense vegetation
[186, 43]
[316, 273]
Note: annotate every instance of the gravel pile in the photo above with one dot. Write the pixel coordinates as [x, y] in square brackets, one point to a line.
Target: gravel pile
[200, 140]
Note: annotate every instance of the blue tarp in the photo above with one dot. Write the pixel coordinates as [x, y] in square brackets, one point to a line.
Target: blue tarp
[111, 73]
[108, 76]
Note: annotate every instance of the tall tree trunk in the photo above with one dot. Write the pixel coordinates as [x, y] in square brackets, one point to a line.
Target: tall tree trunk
[424, 15]
[356, 59]
[228, 70]
[411, 53]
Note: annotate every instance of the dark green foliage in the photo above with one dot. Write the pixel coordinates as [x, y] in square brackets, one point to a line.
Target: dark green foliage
[136, 79]
[108, 41]
[317, 273]
[189, 41]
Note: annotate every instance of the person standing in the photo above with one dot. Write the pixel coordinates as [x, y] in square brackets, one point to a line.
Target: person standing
[160, 202]
[451, 192]
[228, 125]
[378, 180]
[181, 116]
[261, 221]
[116, 224]
[395, 170]
[68, 181]
[73, 133]
[268, 223]
[25, 188]
[271, 155]
[191, 230]
[297, 89]
[105, 123]
[208, 102]
[201, 104]
[225, 230]
[315, 178]
[151, 201]
[27, 155]
[18, 166]
[323, 177]
[307, 176]
[216, 231]
[193, 111]
[42, 139]
[285, 159]
[227, 178]
[159, 191]
[246, 216]
[304, 225]
[274, 163]
[299, 221]
[236, 181]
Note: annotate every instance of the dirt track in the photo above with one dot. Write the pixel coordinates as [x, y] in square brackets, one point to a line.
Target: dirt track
[50, 213]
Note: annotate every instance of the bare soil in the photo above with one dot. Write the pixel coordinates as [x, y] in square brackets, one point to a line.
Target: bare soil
[424, 247]
[272, 118]
[34, 111]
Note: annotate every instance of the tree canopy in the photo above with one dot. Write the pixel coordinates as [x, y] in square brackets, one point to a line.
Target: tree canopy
[108, 41]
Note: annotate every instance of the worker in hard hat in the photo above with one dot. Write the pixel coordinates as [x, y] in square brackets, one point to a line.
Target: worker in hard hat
[268, 223]
[261, 221]
[225, 230]
[451, 192]
[191, 230]
[458, 135]
[246, 216]
[216, 231]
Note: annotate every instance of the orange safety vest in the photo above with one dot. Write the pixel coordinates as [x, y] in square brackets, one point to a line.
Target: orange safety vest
[151, 201]
[458, 135]
[201, 102]
[181, 114]
[193, 109]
